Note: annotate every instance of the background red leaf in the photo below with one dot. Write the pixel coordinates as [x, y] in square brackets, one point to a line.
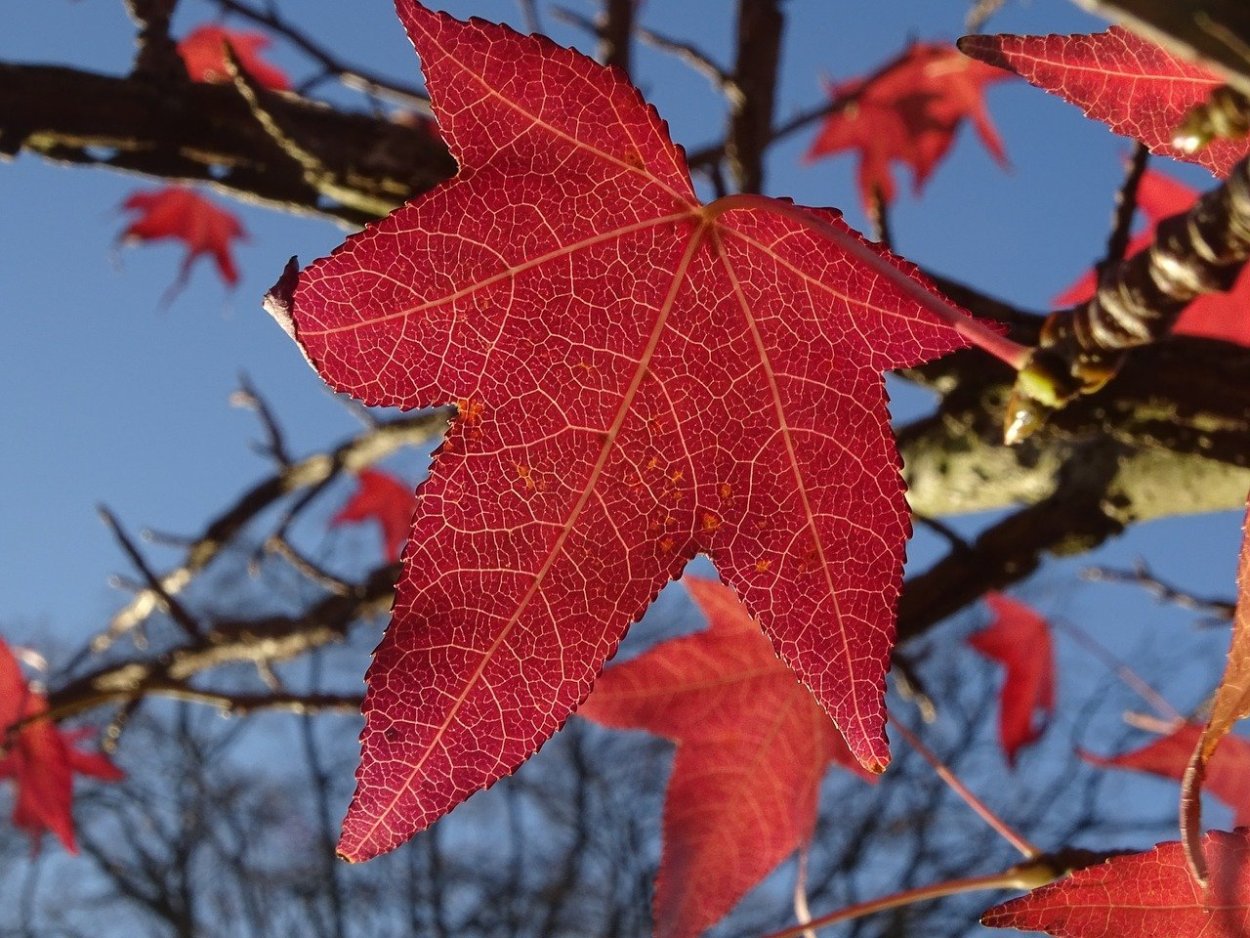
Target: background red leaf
[40, 759]
[1142, 895]
[182, 214]
[908, 111]
[1228, 776]
[1136, 88]
[1019, 639]
[382, 498]
[752, 748]
[638, 379]
[203, 51]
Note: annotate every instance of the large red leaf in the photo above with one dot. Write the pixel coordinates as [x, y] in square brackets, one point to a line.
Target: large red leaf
[909, 111]
[203, 51]
[40, 759]
[1214, 315]
[639, 378]
[1228, 776]
[752, 748]
[184, 215]
[382, 498]
[1142, 895]
[1019, 639]
[1136, 88]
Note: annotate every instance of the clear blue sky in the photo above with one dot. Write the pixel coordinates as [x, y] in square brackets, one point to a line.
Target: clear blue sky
[112, 399]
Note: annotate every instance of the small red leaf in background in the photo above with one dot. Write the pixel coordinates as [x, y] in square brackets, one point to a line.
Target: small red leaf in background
[1142, 895]
[639, 378]
[1133, 86]
[1230, 704]
[385, 499]
[1223, 316]
[1228, 776]
[908, 111]
[41, 759]
[752, 748]
[1019, 640]
[203, 52]
[182, 214]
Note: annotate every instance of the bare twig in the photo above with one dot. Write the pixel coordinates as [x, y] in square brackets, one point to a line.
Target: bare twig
[275, 444]
[760, 26]
[1164, 592]
[362, 450]
[176, 610]
[1125, 208]
[356, 78]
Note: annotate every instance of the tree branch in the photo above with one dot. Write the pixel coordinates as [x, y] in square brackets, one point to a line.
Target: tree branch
[205, 132]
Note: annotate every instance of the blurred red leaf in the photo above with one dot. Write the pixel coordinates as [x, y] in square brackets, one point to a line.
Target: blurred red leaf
[175, 212]
[639, 378]
[385, 499]
[1230, 704]
[1131, 85]
[1019, 640]
[1228, 776]
[752, 748]
[1220, 316]
[203, 52]
[41, 759]
[909, 111]
[1142, 895]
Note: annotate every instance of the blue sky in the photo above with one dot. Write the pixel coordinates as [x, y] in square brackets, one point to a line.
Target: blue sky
[113, 399]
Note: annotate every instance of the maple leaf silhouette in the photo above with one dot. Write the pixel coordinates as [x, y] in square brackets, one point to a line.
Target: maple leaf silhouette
[752, 748]
[1136, 88]
[639, 378]
[181, 214]
[1142, 895]
[1019, 640]
[382, 498]
[1228, 776]
[41, 759]
[1213, 315]
[908, 111]
[203, 51]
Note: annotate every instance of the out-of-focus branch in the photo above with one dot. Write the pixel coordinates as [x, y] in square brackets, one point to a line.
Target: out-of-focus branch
[157, 57]
[361, 450]
[206, 132]
[761, 24]
[266, 640]
[353, 77]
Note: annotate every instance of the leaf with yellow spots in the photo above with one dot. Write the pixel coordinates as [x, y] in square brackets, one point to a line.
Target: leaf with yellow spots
[736, 346]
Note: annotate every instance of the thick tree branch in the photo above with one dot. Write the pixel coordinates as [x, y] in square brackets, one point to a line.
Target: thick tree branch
[194, 131]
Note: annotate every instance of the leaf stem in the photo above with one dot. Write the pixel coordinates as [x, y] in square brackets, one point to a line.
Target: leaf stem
[1023, 876]
[1027, 850]
[849, 241]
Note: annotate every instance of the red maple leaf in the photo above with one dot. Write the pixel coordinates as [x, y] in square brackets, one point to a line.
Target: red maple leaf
[175, 212]
[1213, 315]
[752, 748]
[41, 759]
[1142, 895]
[1019, 640]
[203, 52]
[1133, 86]
[1228, 776]
[909, 111]
[382, 498]
[639, 378]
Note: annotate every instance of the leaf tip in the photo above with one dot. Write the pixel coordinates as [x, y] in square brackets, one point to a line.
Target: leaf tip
[280, 298]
